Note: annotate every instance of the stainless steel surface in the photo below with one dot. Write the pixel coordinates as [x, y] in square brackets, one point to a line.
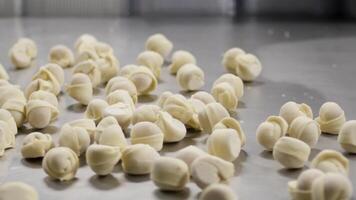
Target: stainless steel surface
[307, 62]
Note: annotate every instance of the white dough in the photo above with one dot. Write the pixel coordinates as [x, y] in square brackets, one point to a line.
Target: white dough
[138, 159]
[190, 77]
[80, 88]
[305, 129]
[17, 191]
[269, 131]
[147, 113]
[36, 145]
[173, 129]
[95, 109]
[290, 152]
[152, 60]
[291, 110]
[347, 136]
[147, 133]
[170, 174]
[75, 138]
[61, 163]
[218, 191]
[331, 161]
[331, 118]
[61, 55]
[211, 115]
[224, 143]
[159, 43]
[102, 158]
[180, 58]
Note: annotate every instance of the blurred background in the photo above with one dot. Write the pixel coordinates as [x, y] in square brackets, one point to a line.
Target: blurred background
[238, 8]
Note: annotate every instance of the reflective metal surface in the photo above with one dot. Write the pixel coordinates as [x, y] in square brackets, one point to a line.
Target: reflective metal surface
[309, 62]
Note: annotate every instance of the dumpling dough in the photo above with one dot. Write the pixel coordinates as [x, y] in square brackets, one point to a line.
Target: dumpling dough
[269, 131]
[189, 154]
[7, 117]
[138, 159]
[102, 158]
[80, 88]
[111, 135]
[211, 115]
[36, 145]
[347, 136]
[126, 70]
[173, 130]
[227, 90]
[332, 186]
[120, 96]
[180, 108]
[104, 123]
[84, 39]
[147, 113]
[301, 188]
[18, 191]
[17, 110]
[218, 191]
[305, 129]
[179, 59]
[144, 80]
[52, 73]
[75, 138]
[122, 83]
[152, 61]
[290, 152]
[207, 170]
[90, 68]
[190, 77]
[163, 97]
[291, 110]
[109, 66]
[249, 67]
[204, 97]
[170, 174]
[95, 109]
[40, 113]
[159, 43]
[224, 143]
[22, 53]
[87, 124]
[122, 113]
[229, 122]
[331, 118]
[147, 133]
[61, 55]
[331, 161]
[61, 163]
[229, 59]
[3, 73]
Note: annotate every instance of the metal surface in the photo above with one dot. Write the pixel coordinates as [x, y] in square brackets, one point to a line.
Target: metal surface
[307, 62]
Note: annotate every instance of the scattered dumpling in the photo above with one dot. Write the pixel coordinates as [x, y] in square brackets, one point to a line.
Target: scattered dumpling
[138, 159]
[152, 60]
[3, 73]
[204, 97]
[163, 97]
[87, 124]
[61, 163]
[218, 191]
[90, 68]
[144, 80]
[146, 113]
[75, 138]
[249, 67]
[95, 109]
[190, 77]
[347, 136]
[229, 59]
[211, 115]
[18, 191]
[208, 169]
[122, 83]
[126, 70]
[301, 189]
[224, 143]
[180, 58]
[36, 145]
[305, 129]
[120, 96]
[173, 129]
[102, 158]
[61, 55]
[170, 174]
[83, 40]
[7, 137]
[180, 108]
[229, 122]
[269, 131]
[80, 88]
[331, 161]
[331, 118]
[227, 90]
[111, 135]
[147, 133]
[189, 154]
[53, 74]
[290, 152]
[6, 116]
[109, 66]
[122, 113]
[291, 110]
[40, 113]
[160, 44]
[22, 53]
